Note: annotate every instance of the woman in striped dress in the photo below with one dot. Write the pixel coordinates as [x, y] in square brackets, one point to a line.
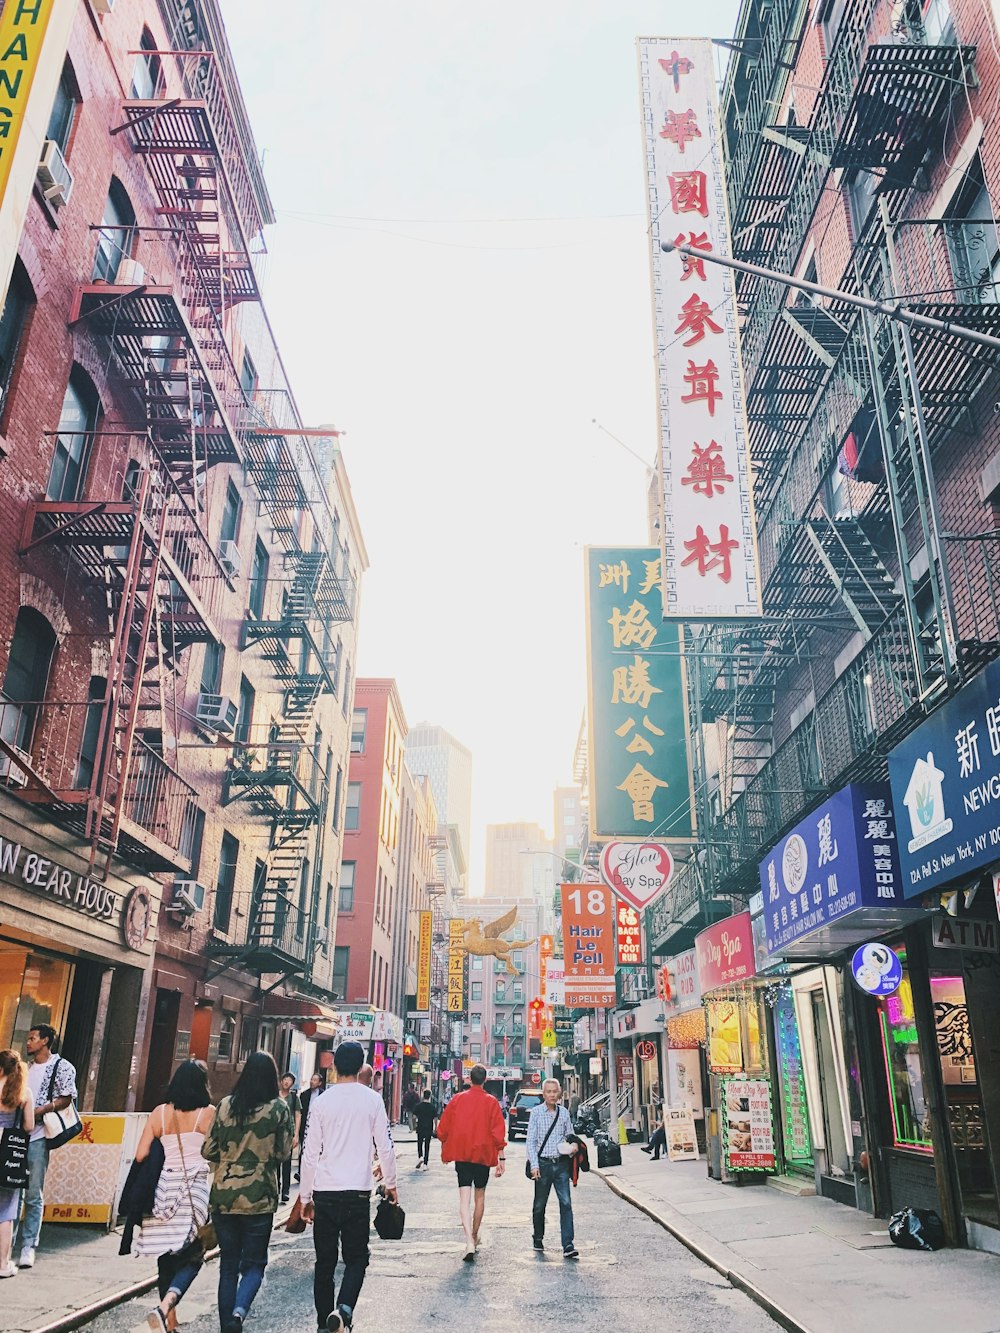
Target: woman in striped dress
[181, 1204]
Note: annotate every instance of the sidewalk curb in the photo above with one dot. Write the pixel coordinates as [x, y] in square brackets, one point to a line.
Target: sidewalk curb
[78, 1318]
[732, 1275]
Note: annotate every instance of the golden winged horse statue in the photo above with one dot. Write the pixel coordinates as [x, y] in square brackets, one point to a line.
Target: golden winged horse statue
[487, 941]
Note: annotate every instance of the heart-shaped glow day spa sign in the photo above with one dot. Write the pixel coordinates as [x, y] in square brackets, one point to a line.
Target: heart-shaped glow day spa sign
[637, 872]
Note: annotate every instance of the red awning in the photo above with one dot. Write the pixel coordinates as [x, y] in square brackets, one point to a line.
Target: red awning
[299, 1007]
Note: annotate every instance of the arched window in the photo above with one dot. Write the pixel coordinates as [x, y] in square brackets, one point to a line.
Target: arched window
[147, 71]
[13, 326]
[91, 731]
[77, 422]
[117, 235]
[26, 677]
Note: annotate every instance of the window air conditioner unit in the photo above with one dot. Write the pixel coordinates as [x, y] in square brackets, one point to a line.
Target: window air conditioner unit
[229, 555]
[217, 712]
[130, 273]
[10, 773]
[54, 176]
[188, 896]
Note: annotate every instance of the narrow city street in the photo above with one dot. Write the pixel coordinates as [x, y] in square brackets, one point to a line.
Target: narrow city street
[628, 1268]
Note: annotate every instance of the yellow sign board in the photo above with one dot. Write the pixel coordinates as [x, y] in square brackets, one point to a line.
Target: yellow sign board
[456, 966]
[22, 32]
[81, 1179]
[549, 1039]
[424, 962]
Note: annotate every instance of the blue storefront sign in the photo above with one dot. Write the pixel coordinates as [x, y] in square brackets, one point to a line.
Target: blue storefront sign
[946, 787]
[835, 878]
[876, 969]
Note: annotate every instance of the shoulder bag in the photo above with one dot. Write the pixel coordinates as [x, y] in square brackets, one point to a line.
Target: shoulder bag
[60, 1126]
[14, 1155]
[548, 1132]
[204, 1234]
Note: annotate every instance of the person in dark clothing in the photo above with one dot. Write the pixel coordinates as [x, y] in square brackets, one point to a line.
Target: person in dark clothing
[425, 1115]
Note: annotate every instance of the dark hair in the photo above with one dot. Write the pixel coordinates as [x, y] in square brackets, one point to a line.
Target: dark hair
[188, 1089]
[288, 1074]
[477, 1076]
[427, 1095]
[47, 1034]
[348, 1057]
[256, 1086]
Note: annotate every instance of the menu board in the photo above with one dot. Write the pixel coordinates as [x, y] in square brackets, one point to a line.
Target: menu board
[682, 1142]
[748, 1130]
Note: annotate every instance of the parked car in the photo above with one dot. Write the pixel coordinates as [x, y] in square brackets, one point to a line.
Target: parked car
[520, 1110]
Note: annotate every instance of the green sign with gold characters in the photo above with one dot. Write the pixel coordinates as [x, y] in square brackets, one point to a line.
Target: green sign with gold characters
[640, 771]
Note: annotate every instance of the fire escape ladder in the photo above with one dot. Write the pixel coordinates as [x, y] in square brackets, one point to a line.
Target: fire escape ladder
[855, 569]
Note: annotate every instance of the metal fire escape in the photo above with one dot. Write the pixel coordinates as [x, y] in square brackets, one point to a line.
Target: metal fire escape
[831, 396]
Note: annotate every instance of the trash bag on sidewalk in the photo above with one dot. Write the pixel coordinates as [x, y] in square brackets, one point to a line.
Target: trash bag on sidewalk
[916, 1229]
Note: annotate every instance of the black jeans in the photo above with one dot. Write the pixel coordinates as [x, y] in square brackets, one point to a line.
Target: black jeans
[343, 1218]
[286, 1176]
[658, 1142]
[424, 1145]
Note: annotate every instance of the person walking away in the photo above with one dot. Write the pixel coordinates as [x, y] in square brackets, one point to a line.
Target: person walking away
[52, 1081]
[337, 1181]
[424, 1117]
[294, 1104]
[549, 1125]
[411, 1100]
[250, 1137]
[17, 1106]
[181, 1204]
[473, 1136]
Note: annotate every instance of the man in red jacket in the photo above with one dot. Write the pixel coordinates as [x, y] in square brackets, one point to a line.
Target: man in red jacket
[473, 1136]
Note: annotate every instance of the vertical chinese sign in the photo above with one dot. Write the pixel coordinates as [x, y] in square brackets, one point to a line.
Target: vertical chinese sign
[709, 532]
[588, 929]
[456, 967]
[629, 936]
[545, 946]
[640, 775]
[424, 963]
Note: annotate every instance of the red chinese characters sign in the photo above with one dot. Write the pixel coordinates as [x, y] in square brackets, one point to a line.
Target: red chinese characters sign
[709, 536]
[629, 926]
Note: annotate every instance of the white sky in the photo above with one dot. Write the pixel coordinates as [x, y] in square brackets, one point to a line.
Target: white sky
[459, 279]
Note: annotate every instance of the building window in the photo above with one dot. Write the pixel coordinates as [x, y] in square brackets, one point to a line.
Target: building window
[359, 729]
[477, 964]
[244, 720]
[211, 667]
[337, 793]
[146, 74]
[518, 989]
[231, 511]
[477, 990]
[227, 1037]
[341, 961]
[345, 898]
[518, 1020]
[63, 113]
[519, 961]
[248, 375]
[303, 912]
[352, 814]
[499, 1055]
[477, 1022]
[258, 581]
[500, 992]
[116, 236]
[26, 678]
[248, 1038]
[476, 1050]
[347, 687]
[192, 835]
[226, 882]
[13, 325]
[328, 909]
[91, 731]
[77, 422]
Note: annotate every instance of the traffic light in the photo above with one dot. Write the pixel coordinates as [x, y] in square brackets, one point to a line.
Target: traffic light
[408, 1050]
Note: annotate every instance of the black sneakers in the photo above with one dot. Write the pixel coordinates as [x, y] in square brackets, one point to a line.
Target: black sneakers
[537, 1242]
[339, 1319]
[571, 1252]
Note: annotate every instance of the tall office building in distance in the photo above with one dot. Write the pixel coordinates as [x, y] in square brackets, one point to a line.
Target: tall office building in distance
[434, 753]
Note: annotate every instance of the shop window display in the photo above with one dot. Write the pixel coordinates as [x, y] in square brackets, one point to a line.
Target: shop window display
[34, 988]
[907, 1095]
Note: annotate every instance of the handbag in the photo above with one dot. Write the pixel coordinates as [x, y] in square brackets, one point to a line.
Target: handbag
[60, 1126]
[204, 1234]
[296, 1223]
[390, 1220]
[527, 1164]
[14, 1155]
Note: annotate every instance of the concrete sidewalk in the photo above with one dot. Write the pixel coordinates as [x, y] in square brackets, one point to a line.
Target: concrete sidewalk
[815, 1264]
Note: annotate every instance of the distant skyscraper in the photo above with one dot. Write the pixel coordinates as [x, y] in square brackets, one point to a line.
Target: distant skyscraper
[520, 864]
[434, 753]
[569, 820]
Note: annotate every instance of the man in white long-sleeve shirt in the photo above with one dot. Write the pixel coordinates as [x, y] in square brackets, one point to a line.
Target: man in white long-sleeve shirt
[336, 1183]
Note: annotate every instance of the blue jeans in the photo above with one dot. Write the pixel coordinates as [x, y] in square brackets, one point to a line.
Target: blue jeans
[243, 1240]
[31, 1227]
[175, 1274]
[554, 1174]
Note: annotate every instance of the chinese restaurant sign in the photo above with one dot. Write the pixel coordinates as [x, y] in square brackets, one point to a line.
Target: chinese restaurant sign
[836, 861]
[640, 777]
[424, 963]
[946, 788]
[456, 966]
[709, 534]
[588, 930]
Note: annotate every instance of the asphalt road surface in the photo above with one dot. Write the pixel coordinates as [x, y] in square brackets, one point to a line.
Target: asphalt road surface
[631, 1274]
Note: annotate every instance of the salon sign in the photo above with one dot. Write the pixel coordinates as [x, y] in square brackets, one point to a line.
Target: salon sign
[725, 952]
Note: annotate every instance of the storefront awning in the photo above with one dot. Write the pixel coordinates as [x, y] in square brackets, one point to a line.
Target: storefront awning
[302, 1009]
